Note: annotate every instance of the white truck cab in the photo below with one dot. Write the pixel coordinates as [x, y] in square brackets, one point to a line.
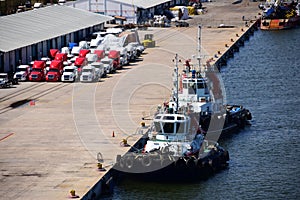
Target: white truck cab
[131, 52]
[84, 45]
[4, 81]
[88, 74]
[91, 57]
[96, 42]
[76, 50]
[108, 64]
[61, 2]
[22, 72]
[100, 70]
[70, 74]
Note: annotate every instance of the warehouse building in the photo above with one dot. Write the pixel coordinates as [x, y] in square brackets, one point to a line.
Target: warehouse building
[131, 11]
[29, 35]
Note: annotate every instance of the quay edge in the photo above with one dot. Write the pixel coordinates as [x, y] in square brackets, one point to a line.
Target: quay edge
[233, 47]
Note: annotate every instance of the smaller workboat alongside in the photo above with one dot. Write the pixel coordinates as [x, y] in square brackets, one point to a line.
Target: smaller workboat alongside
[200, 95]
[279, 15]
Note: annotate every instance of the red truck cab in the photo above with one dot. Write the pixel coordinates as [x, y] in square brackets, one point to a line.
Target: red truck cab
[79, 63]
[38, 71]
[84, 52]
[100, 54]
[53, 53]
[61, 57]
[115, 55]
[55, 71]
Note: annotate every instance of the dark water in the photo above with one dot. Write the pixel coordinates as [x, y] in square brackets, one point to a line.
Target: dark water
[265, 158]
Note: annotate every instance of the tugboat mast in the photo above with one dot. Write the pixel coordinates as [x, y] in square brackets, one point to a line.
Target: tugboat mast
[199, 48]
[176, 81]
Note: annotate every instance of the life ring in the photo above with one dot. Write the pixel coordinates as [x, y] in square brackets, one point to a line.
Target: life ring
[146, 161]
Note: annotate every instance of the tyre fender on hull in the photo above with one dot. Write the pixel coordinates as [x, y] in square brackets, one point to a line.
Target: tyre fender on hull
[249, 115]
[200, 163]
[226, 155]
[146, 161]
[215, 163]
[190, 162]
[129, 162]
[180, 163]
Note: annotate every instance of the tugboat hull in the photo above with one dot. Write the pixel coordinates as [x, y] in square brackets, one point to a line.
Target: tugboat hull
[158, 166]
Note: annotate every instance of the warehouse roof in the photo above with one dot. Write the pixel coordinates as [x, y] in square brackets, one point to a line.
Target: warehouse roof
[143, 3]
[26, 28]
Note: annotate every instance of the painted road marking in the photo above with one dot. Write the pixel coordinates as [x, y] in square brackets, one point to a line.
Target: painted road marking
[6, 136]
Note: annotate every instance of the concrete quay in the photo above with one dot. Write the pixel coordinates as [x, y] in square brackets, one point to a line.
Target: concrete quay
[51, 144]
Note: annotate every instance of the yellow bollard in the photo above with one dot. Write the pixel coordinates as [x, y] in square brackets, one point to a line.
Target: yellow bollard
[100, 167]
[73, 194]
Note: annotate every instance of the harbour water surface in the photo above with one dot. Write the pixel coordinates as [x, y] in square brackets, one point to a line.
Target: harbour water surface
[265, 157]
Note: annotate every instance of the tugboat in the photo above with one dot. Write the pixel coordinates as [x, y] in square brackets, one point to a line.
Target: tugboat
[174, 151]
[175, 148]
[279, 15]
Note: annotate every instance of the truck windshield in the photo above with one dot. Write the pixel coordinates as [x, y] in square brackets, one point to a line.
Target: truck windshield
[86, 70]
[69, 70]
[106, 62]
[3, 76]
[36, 70]
[21, 70]
[53, 70]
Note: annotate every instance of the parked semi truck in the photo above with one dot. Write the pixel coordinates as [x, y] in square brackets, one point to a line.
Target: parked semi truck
[80, 62]
[88, 74]
[108, 64]
[38, 71]
[100, 53]
[100, 70]
[55, 71]
[115, 56]
[70, 74]
[22, 72]
[4, 80]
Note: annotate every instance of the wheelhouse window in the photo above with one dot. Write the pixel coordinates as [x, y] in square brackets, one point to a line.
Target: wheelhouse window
[180, 127]
[192, 87]
[157, 127]
[168, 118]
[168, 127]
[185, 85]
[200, 85]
